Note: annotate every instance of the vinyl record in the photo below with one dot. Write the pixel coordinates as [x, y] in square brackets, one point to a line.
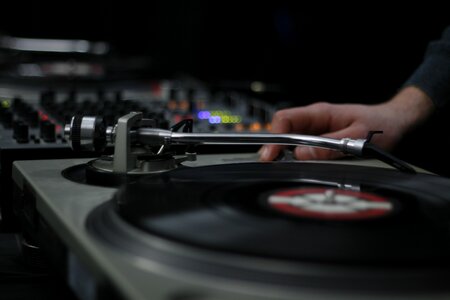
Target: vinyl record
[298, 212]
[288, 226]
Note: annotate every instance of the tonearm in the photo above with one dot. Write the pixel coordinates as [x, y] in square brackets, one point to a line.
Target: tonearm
[86, 133]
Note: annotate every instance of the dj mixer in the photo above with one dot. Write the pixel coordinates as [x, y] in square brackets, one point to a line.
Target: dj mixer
[33, 115]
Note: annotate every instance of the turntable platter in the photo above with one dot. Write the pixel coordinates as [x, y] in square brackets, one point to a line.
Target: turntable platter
[381, 228]
[232, 208]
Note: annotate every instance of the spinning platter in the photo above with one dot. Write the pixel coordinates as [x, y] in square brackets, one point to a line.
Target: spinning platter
[398, 228]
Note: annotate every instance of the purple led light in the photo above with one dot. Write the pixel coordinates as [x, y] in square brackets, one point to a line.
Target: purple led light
[203, 115]
[214, 120]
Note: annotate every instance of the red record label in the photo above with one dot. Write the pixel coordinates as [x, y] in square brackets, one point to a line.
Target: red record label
[329, 204]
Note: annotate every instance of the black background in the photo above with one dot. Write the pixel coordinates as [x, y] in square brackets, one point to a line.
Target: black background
[312, 52]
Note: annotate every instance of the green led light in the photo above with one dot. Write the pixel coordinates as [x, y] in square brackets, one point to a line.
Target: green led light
[235, 119]
[5, 104]
[220, 113]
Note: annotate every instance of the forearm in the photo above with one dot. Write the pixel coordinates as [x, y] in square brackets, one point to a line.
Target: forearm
[411, 107]
[433, 75]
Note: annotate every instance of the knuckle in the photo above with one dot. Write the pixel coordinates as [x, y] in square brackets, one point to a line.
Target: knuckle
[321, 105]
[280, 115]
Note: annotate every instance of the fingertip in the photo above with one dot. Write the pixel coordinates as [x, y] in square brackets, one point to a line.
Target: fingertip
[260, 150]
[268, 152]
[303, 153]
[264, 153]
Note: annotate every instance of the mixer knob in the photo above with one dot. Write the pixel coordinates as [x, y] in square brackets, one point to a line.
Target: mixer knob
[20, 132]
[6, 118]
[17, 103]
[48, 133]
[32, 116]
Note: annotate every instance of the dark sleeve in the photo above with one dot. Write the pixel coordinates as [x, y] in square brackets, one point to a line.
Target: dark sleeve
[433, 75]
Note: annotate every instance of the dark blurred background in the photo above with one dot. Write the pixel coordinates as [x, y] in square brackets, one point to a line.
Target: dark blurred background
[308, 52]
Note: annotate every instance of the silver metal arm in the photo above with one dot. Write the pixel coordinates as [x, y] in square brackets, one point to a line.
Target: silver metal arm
[86, 133]
[155, 137]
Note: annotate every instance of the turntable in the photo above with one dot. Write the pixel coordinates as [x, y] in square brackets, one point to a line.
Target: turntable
[151, 223]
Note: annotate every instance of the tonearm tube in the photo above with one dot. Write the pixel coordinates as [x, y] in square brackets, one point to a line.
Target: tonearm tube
[86, 133]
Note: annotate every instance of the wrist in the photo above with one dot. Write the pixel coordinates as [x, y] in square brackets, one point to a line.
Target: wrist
[411, 106]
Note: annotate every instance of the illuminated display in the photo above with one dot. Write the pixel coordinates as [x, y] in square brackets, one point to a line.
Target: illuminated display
[219, 116]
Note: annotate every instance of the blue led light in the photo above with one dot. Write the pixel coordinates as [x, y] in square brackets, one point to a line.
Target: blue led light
[214, 120]
[203, 115]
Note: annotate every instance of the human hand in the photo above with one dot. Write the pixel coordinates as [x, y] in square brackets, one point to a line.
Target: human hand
[395, 117]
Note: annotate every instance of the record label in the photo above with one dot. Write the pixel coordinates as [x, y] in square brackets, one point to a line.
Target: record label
[329, 204]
